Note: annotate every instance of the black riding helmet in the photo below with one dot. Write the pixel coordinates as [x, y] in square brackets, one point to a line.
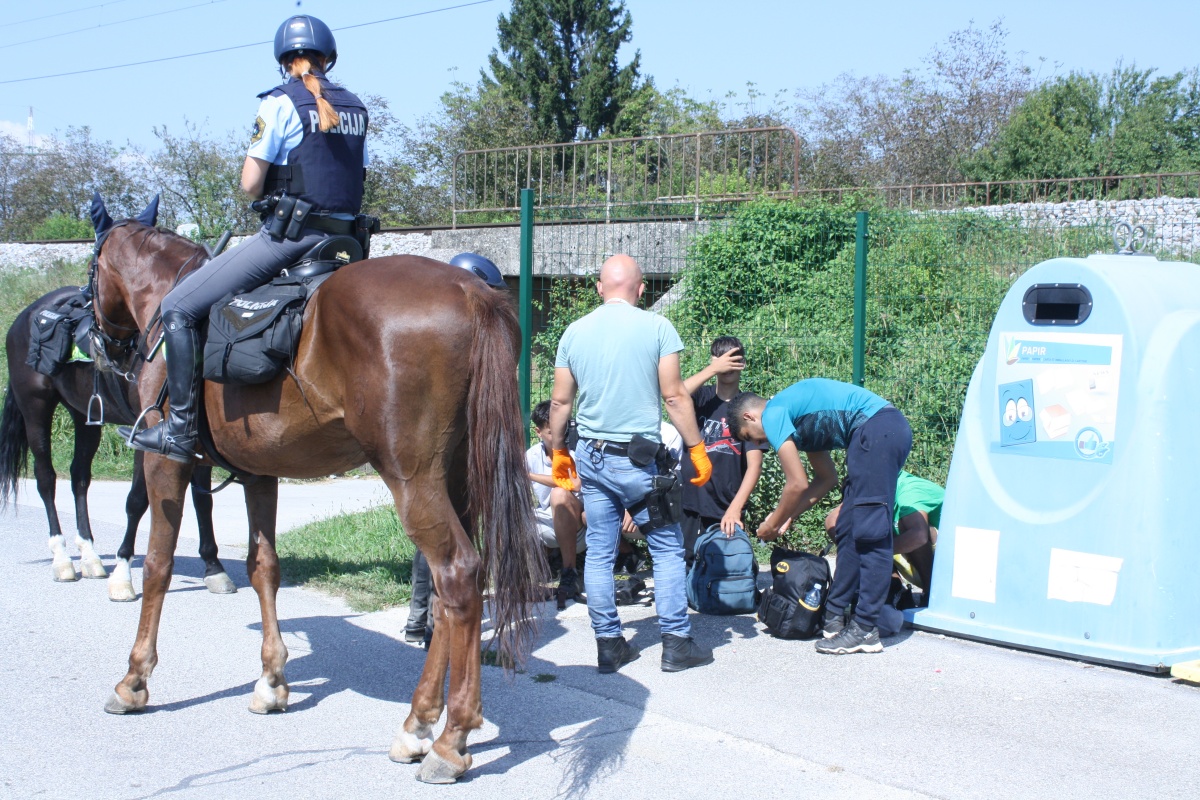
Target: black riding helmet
[303, 32]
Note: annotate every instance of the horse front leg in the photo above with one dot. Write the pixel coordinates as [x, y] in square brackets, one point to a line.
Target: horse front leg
[262, 565]
[215, 578]
[120, 582]
[166, 481]
[87, 441]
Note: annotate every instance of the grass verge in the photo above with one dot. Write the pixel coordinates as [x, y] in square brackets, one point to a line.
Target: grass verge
[363, 557]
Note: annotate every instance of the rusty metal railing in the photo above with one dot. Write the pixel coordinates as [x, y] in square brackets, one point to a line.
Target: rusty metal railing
[678, 172]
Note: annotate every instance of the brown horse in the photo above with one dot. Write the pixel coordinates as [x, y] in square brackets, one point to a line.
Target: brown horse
[404, 363]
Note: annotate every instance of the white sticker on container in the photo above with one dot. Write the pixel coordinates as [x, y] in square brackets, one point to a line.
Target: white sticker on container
[1083, 577]
[976, 551]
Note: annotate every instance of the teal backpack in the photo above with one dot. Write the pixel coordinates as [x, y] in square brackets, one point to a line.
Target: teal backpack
[724, 577]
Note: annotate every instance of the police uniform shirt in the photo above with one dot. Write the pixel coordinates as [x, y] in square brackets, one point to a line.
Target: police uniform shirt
[278, 130]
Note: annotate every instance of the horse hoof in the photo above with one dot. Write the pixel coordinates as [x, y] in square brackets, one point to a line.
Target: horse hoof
[64, 572]
[435, 769]
[220, 584]
[268, 698]
[92, 569]
[407, 748]
[118, 705]
[121, 592]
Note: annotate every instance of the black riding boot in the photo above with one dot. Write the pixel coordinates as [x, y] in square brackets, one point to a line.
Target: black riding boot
[175, 436]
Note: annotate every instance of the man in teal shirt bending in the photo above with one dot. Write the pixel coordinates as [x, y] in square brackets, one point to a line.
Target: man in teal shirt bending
[816, 416]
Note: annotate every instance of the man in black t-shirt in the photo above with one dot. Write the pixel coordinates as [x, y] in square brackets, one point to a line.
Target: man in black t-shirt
[736, 465]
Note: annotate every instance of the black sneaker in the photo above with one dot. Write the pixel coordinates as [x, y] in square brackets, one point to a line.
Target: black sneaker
[682, 652]
[852, 639]
[834, 624]
[613, 652]
[568, 588]
[414, 635]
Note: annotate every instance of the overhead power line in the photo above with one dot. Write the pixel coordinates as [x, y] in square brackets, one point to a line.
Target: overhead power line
[237, 46]
[61, 13]
[107, 24]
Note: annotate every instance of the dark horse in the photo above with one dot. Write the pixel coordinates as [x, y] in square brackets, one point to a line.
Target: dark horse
[404, 363]
[29, 404]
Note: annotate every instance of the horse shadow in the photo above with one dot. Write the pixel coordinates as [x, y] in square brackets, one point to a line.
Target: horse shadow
[568, 712]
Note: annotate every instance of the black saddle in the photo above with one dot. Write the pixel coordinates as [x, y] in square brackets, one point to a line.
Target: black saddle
[326, 256]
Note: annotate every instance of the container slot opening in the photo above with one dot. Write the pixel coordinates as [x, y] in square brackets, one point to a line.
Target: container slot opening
[1056, 304]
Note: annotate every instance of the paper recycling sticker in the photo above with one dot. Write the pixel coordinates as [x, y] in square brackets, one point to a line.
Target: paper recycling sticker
[1057, 394]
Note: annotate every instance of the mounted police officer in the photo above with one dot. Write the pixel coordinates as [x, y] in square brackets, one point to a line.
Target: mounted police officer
[307, 157]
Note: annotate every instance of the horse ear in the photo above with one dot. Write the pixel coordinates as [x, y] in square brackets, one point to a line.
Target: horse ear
[149, 216]
[101, 221]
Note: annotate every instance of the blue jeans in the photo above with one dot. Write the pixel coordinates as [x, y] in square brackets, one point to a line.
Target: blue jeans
[610, 485]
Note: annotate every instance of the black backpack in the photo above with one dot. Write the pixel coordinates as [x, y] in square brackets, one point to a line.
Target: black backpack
[793, 605]
[52, 334]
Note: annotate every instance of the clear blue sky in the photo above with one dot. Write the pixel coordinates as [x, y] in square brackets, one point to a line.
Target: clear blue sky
[706, 46]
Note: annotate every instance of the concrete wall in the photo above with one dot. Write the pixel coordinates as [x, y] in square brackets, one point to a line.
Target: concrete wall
[576, 249]
[661, 247]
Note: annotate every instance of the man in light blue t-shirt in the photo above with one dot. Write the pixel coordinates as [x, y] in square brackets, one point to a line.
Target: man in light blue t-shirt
[815, 416]
[621, 360]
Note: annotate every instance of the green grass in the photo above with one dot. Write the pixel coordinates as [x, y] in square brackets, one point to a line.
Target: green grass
[19, 288]
[362, 557]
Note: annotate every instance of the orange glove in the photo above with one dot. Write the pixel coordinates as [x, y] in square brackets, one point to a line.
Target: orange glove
[562, 468]
[699, 454]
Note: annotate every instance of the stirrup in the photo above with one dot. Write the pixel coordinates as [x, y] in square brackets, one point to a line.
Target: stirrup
[136, 426]
[93, 401]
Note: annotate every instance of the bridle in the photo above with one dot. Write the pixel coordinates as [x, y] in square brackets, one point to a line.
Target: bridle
[102, 342]
[127, 348]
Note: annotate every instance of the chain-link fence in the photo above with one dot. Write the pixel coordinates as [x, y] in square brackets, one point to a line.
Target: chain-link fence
[781, 276]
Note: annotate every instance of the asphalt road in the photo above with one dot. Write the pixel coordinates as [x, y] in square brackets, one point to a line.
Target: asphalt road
[931, 716]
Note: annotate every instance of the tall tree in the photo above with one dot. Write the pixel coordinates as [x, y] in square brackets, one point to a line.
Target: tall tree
[559, 57]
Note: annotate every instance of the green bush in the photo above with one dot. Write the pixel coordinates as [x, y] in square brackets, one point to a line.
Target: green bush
[780, 276]
[63, 226]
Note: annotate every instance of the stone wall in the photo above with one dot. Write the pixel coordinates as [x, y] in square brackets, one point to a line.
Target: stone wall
[1173, 223]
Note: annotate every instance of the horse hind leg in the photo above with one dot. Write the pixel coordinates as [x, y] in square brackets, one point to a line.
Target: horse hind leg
[38, 421]
[215, 577]
[432, 522]
[414, 740]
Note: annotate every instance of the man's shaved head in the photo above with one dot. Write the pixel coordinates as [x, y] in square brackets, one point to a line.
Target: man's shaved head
[620, 279]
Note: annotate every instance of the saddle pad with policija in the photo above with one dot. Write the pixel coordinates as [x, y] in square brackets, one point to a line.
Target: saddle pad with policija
[253, 336]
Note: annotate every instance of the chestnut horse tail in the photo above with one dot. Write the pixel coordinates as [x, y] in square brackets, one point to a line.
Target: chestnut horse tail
[501, 507]
[14, 448]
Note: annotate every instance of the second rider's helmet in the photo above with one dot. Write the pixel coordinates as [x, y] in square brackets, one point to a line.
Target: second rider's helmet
[484, 269]
[303, 32]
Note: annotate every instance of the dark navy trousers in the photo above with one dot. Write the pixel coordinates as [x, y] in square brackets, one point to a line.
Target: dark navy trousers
[877, 451]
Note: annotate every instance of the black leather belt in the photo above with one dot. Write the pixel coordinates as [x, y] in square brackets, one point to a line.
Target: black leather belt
[344, 227]
[612, 448]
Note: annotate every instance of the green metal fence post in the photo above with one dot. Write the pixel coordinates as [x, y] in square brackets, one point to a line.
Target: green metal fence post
[860, 297]
[524, 371]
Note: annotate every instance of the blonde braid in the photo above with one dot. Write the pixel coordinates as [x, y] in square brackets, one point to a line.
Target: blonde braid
[301, 67]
